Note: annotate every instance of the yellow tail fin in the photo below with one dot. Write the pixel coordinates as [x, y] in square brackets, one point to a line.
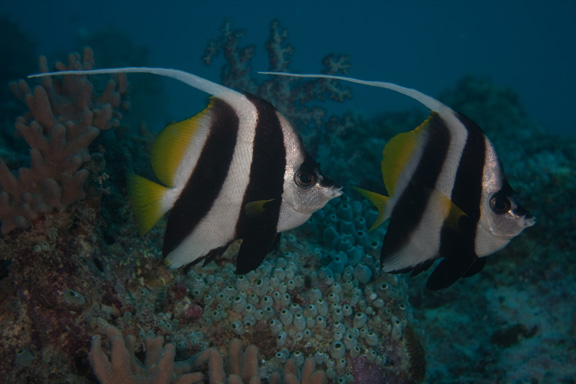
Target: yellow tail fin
[146, 201]
[379, 201]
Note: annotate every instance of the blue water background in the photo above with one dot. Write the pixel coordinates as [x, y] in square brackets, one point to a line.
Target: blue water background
[428, 45]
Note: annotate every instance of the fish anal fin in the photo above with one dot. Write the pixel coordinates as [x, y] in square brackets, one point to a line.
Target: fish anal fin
[379, 201]
[476, 267]
[421, 267]
[146, 201]
[398, 152]
[213, 254]
[253, 251]
[449, 270]
[256, 208]
[172, 144]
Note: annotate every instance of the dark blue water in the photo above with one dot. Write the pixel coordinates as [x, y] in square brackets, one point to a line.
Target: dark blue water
[527, 45]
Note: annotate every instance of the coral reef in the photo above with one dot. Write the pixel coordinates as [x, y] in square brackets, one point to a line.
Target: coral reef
[319, 300]
[159, 367]
[124, 366]
[324, 300]
[65, 116]
[515, 323]
[296, 98]
[307, 301]
[114, 49]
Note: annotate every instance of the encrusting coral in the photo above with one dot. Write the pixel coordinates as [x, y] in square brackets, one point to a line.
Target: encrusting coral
[159, 367]
[65, 116]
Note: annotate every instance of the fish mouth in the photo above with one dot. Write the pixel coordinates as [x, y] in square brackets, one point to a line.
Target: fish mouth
[529, 221]
[525, 216]
[336, 190]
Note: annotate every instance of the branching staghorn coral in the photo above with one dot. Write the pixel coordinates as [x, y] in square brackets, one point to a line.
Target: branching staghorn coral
[65, 116]
[159, 366]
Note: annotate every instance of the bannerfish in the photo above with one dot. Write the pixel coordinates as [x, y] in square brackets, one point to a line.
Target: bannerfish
[237, 170]
[448, 195]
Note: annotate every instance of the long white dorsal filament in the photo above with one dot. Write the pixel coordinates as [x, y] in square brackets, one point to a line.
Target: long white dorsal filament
[429, 102]
[185, 77]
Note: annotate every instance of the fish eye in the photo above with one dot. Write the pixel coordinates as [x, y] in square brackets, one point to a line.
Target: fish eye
[500, 205]
[305, 179]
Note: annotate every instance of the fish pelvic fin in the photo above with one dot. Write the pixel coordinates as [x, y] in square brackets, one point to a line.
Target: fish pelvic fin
[452, 213]
[146, 200]
[379, 201]
[256, 208]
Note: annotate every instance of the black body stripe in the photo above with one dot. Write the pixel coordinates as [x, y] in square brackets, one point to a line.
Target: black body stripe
[458, 246]
[467, 190]
[411, 205]
[467, 193]
[266, 182]
[208, 176]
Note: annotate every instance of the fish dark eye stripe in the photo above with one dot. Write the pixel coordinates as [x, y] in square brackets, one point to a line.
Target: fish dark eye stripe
[411, 205]
[266, 176]
[210, 173]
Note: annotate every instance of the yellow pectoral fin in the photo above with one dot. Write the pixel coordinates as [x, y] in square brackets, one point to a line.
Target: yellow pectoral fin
[146, 201]
[379, 201]
[452, 213]
[256, 208]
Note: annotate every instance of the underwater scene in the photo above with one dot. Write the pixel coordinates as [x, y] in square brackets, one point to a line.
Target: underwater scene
[292, 193]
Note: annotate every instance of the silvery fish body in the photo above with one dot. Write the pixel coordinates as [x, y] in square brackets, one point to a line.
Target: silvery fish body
[448, 195]
[235, 171]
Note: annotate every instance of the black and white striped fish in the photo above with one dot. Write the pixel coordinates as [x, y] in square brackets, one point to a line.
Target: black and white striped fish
[448, 195]
[237, 170]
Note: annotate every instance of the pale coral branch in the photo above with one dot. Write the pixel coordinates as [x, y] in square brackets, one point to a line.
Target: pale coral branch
[65, 116]
[159, 366]
[124, 367]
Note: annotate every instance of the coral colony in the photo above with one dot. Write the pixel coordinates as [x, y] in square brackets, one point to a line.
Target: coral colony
[84, 298]
[65, 117]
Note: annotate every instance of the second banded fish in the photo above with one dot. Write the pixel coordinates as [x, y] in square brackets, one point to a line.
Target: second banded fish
[237, 170]
[448, 196]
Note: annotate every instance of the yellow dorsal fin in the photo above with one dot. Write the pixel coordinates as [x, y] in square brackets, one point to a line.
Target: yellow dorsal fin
[146, 201]
[379, 201]
[452, 213]
[256, 208]
[397, 154]
[171, 145]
